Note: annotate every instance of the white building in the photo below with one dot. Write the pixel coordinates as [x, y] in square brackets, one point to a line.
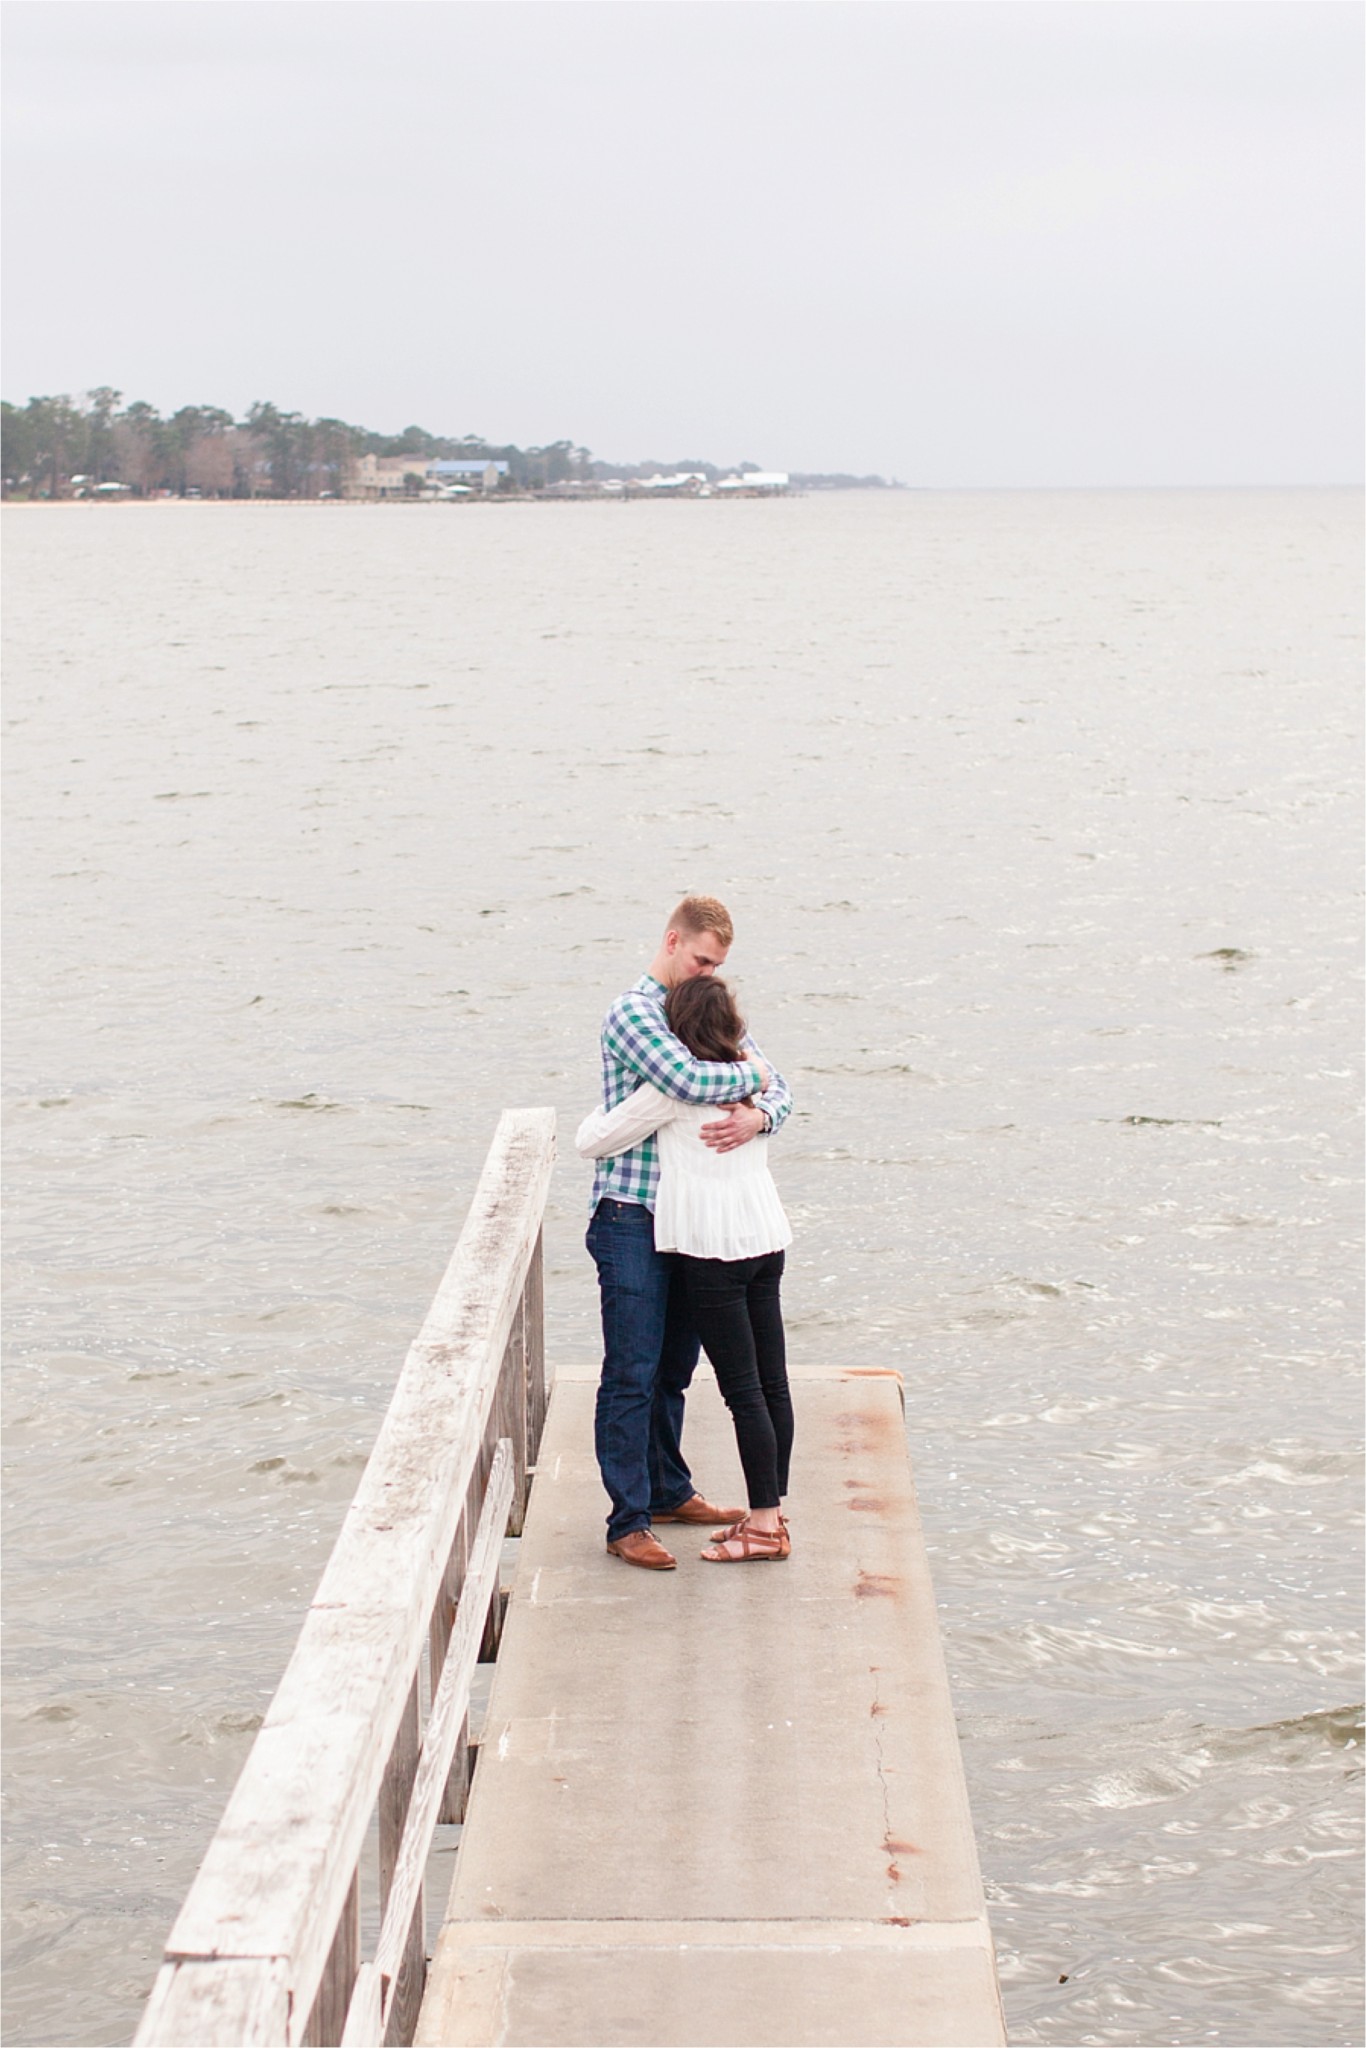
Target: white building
[766, 480]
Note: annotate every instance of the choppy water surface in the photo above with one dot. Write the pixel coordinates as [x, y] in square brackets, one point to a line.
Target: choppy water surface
[330, 832]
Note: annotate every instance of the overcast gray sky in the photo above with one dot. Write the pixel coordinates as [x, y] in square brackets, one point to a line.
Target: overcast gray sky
[1101, 242]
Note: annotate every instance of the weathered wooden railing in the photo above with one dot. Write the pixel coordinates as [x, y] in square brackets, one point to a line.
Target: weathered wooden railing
[266, 1950]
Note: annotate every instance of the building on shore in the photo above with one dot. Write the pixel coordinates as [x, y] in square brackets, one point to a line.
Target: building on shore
[695, 483]
[757, 483]
[385, 476]
[483, 474]
[374, 477]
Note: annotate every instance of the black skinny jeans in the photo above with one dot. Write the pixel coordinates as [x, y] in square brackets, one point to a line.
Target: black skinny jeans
[737, 1313]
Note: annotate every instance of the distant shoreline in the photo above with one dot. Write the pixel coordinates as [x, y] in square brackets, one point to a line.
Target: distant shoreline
[46, 504]
[547, 497]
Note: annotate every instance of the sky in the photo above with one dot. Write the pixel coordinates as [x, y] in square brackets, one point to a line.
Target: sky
[965, 243]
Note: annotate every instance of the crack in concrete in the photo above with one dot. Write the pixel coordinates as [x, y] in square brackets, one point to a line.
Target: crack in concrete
[876, 1712]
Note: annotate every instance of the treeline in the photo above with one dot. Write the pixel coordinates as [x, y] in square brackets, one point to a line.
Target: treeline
[64, 447]
[55, 447]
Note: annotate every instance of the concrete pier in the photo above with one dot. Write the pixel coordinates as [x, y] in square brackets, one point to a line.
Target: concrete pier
[721, 1807]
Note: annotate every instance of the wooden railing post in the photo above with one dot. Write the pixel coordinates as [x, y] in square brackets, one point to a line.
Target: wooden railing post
[439, 1635]
[514, 1406]
[395, 1795]
[533, 1323]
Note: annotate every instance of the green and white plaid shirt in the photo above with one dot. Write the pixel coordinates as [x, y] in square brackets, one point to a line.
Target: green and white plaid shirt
[637, 1045]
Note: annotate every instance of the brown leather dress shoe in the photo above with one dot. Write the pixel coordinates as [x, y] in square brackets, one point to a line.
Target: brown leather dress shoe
[640, 1548]
[699, 1510]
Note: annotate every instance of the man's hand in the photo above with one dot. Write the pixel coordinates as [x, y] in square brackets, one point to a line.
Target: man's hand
[737, 1127]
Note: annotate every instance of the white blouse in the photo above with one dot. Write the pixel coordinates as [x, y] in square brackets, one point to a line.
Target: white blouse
[711, 1205]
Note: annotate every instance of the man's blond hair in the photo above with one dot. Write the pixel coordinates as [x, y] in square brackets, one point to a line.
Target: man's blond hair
[703, 914]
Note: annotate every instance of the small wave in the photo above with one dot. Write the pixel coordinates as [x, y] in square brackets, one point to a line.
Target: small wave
[1287, 1465]
[881, 1073]
[1169, 1123]
[1340, 1727]
[1051, 1290]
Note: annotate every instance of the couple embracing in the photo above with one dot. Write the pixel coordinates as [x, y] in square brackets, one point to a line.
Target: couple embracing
[688, 1236]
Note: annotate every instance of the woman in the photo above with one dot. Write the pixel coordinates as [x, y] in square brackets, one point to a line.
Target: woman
[719, 1211]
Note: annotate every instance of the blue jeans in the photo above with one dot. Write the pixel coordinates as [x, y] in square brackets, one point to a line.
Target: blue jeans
[650, 1353]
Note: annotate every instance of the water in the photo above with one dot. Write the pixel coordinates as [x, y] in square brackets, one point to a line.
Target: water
[331, 830]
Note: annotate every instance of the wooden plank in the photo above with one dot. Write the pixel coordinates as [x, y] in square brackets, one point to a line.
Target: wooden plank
[327, 2019]
[260, 1908]
[439, 1635]
[276, 1876]
[448, 1711]
[395, 1800]
[493, 1619]
[217, 2005]
[364, 2022]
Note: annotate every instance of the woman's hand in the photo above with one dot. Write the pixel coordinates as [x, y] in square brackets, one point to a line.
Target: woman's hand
[765, 1071]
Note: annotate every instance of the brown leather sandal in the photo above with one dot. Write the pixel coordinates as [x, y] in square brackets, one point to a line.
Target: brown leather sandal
[725, 1535]
[756, 1546]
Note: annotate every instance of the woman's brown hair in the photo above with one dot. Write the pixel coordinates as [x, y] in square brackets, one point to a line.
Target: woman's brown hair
[702, 1013]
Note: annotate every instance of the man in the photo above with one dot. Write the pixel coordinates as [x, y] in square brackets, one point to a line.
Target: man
[649, 1346]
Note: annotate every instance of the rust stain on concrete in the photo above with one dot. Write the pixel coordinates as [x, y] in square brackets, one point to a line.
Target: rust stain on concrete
[876, 1586]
